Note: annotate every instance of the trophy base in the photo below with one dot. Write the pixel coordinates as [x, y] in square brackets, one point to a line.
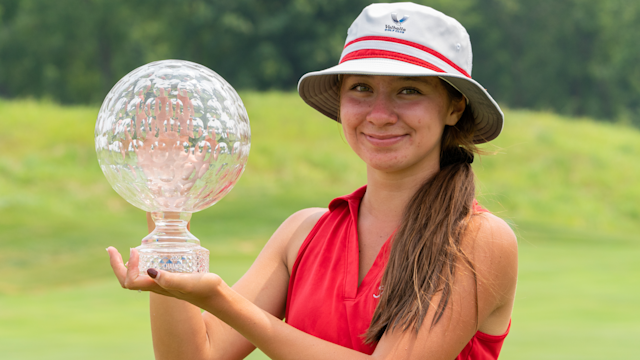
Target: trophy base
[173, 257]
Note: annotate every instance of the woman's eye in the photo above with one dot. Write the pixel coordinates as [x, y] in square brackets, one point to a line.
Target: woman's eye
[409, 91]
[362, 88]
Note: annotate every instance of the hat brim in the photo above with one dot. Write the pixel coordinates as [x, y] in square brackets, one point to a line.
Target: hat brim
[320, 90]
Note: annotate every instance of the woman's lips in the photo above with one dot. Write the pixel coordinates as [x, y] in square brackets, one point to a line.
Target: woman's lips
[384, 140]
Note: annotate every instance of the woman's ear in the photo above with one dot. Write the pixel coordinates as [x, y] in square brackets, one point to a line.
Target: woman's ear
[455, 110]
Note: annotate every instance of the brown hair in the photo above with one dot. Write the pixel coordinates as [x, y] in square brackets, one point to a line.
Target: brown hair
[426, 247]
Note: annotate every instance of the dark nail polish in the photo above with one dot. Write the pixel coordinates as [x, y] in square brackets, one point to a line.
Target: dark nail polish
[152, 272]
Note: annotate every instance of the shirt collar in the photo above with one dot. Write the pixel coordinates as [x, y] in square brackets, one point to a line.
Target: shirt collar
[352, 199]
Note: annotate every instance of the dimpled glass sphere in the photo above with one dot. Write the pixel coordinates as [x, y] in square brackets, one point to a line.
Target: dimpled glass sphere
[172, 138]
[172, 135]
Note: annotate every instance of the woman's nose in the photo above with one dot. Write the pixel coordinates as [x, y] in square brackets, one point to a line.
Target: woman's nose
[382, 111]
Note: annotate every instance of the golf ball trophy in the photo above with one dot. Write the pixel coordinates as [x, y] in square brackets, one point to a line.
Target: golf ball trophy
[172, 138]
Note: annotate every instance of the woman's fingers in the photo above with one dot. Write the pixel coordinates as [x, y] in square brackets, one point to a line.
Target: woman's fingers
[129, 276]
[193, 287]
[132, 269]
[117, 265]
[136, 281]
[169, 281]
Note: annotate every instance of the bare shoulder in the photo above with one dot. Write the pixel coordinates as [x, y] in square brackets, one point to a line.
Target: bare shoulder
[305, 218]
[294, 230]
[493, 248]
[488, 232]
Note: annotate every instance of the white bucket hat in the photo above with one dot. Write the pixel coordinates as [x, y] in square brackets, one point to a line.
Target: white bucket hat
[406, 39]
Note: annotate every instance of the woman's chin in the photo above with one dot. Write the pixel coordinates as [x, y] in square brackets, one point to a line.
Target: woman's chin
[401, 165]
[389, 166]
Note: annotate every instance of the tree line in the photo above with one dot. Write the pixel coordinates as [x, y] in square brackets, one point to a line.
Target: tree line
[577, 57]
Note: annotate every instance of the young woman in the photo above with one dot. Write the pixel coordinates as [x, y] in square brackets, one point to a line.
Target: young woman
[407, 267]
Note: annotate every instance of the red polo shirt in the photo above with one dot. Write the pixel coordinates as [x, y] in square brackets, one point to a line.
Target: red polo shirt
[324, 298]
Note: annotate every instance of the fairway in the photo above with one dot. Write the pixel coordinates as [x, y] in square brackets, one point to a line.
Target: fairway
[568, 187]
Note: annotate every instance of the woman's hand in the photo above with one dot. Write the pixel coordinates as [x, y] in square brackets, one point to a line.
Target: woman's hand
[196, 288]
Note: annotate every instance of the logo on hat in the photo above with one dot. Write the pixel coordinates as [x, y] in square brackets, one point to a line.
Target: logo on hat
[396, 29]
[394, 17]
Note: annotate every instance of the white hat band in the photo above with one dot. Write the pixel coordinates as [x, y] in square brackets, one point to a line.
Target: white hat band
[402, 50]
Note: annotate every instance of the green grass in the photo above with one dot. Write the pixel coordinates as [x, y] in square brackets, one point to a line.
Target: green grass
[577, 297]
[568, 187]
[92, 321]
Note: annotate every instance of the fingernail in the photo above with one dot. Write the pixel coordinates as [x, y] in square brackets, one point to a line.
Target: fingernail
[152, 272]
[107, 249]
[130, 251]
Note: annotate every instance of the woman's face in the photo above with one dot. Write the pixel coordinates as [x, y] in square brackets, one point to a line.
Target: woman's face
[395, 123]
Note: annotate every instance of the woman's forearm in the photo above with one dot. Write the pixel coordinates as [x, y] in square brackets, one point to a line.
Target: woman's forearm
[178, 329]
[276, 339]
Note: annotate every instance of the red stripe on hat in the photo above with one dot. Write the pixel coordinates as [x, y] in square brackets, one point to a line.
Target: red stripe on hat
[412, 44]
[370, 53]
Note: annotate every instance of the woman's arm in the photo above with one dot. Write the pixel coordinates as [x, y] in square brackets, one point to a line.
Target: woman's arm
[482, 302]
[493, 250]
[179, 329]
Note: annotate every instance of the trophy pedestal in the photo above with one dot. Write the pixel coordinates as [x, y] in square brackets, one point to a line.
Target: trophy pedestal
[173, 257]
[171, 247]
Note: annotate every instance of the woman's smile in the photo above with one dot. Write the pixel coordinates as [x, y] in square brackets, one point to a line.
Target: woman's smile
[384, 140]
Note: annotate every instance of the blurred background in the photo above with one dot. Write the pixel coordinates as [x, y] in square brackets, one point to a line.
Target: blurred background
[564, 173]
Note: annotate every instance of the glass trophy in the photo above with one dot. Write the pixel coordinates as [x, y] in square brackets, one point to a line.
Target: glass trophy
[172, 138]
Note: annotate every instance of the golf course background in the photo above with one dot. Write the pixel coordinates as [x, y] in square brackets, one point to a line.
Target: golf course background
[568, 187]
